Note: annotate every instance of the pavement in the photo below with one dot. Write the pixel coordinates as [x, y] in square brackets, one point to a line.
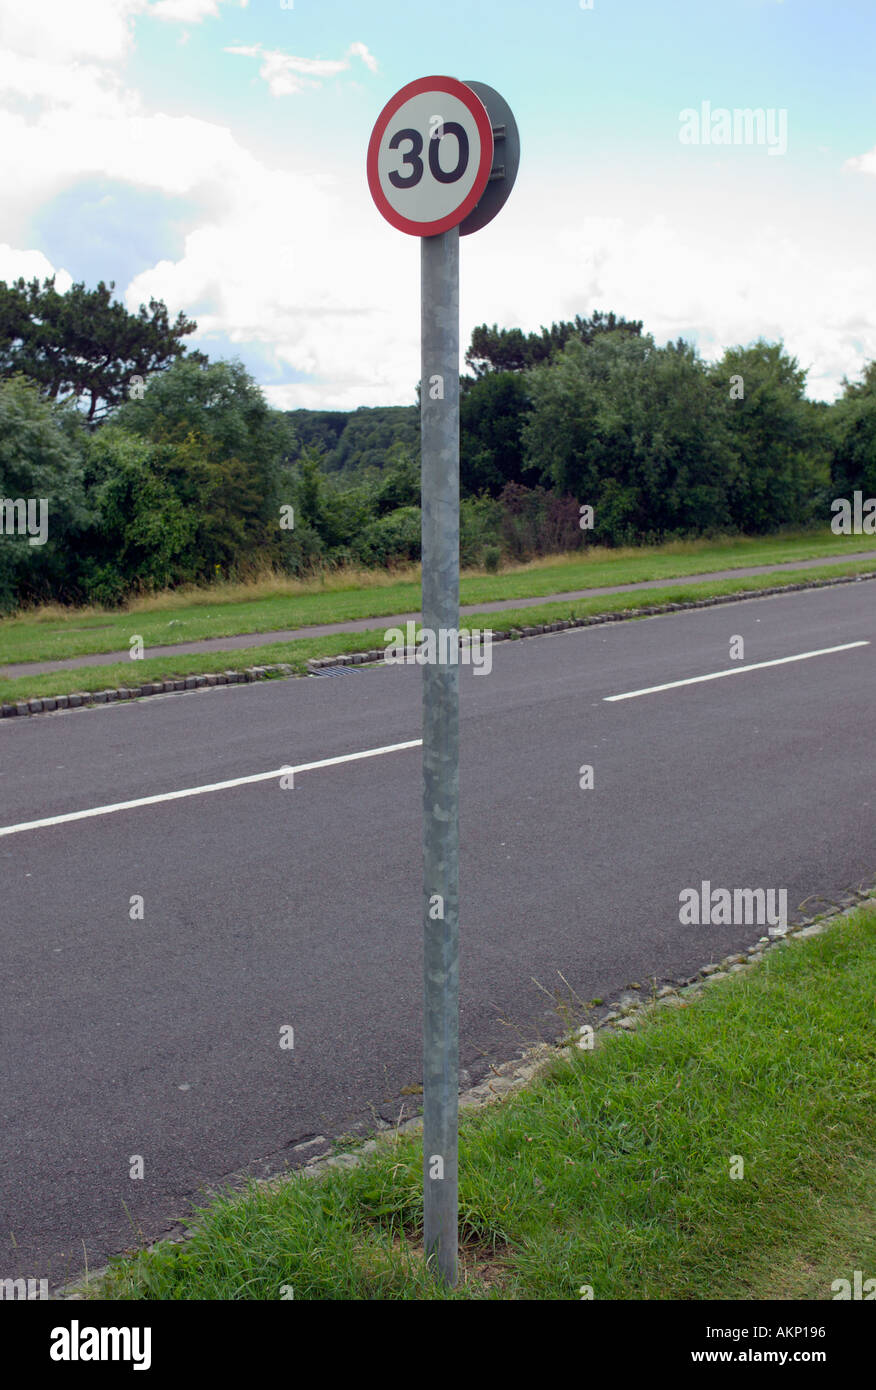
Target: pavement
[152, 953]
[257, 639]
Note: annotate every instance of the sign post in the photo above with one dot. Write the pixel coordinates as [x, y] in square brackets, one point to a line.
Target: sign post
[439, 425]
[430, 166]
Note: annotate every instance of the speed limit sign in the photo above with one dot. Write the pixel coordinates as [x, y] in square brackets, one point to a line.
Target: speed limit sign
[442, 160]
[430, 156]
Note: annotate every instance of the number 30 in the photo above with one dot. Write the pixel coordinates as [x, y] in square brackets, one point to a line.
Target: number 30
[412, 156]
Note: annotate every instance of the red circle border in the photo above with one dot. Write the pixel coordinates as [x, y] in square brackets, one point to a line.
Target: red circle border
[453, 87]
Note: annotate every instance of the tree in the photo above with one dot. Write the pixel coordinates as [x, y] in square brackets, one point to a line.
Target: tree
[853, 437]
[510, 350]
[143, 532]
[392, 539]
[633, 431]
[219, 403]
[310, 488]
[492, 412]
[399, 484]
[779, 478]
[319, 427]
[41, 447]
[231, 458]
[84, 344]
[370, 433]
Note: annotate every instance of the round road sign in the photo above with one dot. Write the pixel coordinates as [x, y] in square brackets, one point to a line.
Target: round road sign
[430, 155]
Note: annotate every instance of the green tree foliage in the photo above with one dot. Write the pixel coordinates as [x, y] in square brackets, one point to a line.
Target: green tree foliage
[370, 434]
[399, 484]
[492, 412]
[233, 450]
[218, 401]
[83, 343]
[392, 539]
[480, 527]
[310, 488]
[191, 479]
[41, 446]
[853, 437]
[511, 350]
[320, 428]
[143, 533]
[634, 431]
[330, 519]
[779, 476]
[357, 441]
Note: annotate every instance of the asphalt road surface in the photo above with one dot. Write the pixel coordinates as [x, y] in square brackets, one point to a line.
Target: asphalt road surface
[266, 905]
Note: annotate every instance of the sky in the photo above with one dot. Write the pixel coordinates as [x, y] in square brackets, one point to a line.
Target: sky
[211, 153]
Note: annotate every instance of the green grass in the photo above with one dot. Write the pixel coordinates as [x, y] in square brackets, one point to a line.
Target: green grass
[271, 604]
[299, 651]
[611, 1171]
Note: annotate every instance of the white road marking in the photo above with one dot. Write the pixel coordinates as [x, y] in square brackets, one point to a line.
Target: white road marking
[734, 671]
[201, 791]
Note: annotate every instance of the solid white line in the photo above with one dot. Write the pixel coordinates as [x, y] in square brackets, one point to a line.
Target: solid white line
[200, 791]
[735, 671]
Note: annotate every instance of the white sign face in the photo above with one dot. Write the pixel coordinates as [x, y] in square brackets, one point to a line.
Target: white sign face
[430, 156]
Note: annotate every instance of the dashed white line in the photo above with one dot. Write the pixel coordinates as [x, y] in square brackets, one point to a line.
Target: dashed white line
[201, 791]
[734, 671]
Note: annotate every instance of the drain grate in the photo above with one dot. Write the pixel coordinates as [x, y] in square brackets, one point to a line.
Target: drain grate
[337, 671]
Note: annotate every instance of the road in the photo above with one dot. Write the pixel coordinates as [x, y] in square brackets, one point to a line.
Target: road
[265, 906]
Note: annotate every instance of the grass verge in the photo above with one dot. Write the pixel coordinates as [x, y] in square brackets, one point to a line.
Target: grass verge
[612, 1170]
[298, 652]
[227, 609]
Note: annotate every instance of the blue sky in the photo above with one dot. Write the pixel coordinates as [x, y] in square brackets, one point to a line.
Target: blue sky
[213, 154]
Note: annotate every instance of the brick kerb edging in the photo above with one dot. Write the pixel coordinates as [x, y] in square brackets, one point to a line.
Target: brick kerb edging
[49, 704]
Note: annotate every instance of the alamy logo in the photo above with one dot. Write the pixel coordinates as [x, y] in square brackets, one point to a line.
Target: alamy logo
[13, 1289]
[444, 648]
[25, 517]
[855, 518]
[739, 907]
[741, 126]
[75, 1343]
[857, 1288]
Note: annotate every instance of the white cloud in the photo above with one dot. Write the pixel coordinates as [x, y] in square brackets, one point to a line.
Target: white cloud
[184, 11]
[359, 50]
[254, 269]
[87, 87]
[31, 265]
[304, 270]
[302, 264]
[99, 30]
[681, 276]
[286, 74]
[189, 11]
[58, 30]
[863, 163]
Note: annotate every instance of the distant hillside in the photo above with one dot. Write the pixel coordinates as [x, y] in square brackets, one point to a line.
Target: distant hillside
[355, 440]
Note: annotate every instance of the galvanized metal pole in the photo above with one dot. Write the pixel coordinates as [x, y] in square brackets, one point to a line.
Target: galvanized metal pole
[439, 423]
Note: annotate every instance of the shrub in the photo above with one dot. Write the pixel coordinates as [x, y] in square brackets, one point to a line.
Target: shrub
[392, 538]
[480, 522]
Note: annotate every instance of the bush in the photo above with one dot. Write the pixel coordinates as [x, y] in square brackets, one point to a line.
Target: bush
[480, 525]
[492, 556]
[538, 521]
[393, 538]
[103, 584]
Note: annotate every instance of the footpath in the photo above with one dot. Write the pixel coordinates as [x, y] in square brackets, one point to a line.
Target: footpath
[257, 639]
